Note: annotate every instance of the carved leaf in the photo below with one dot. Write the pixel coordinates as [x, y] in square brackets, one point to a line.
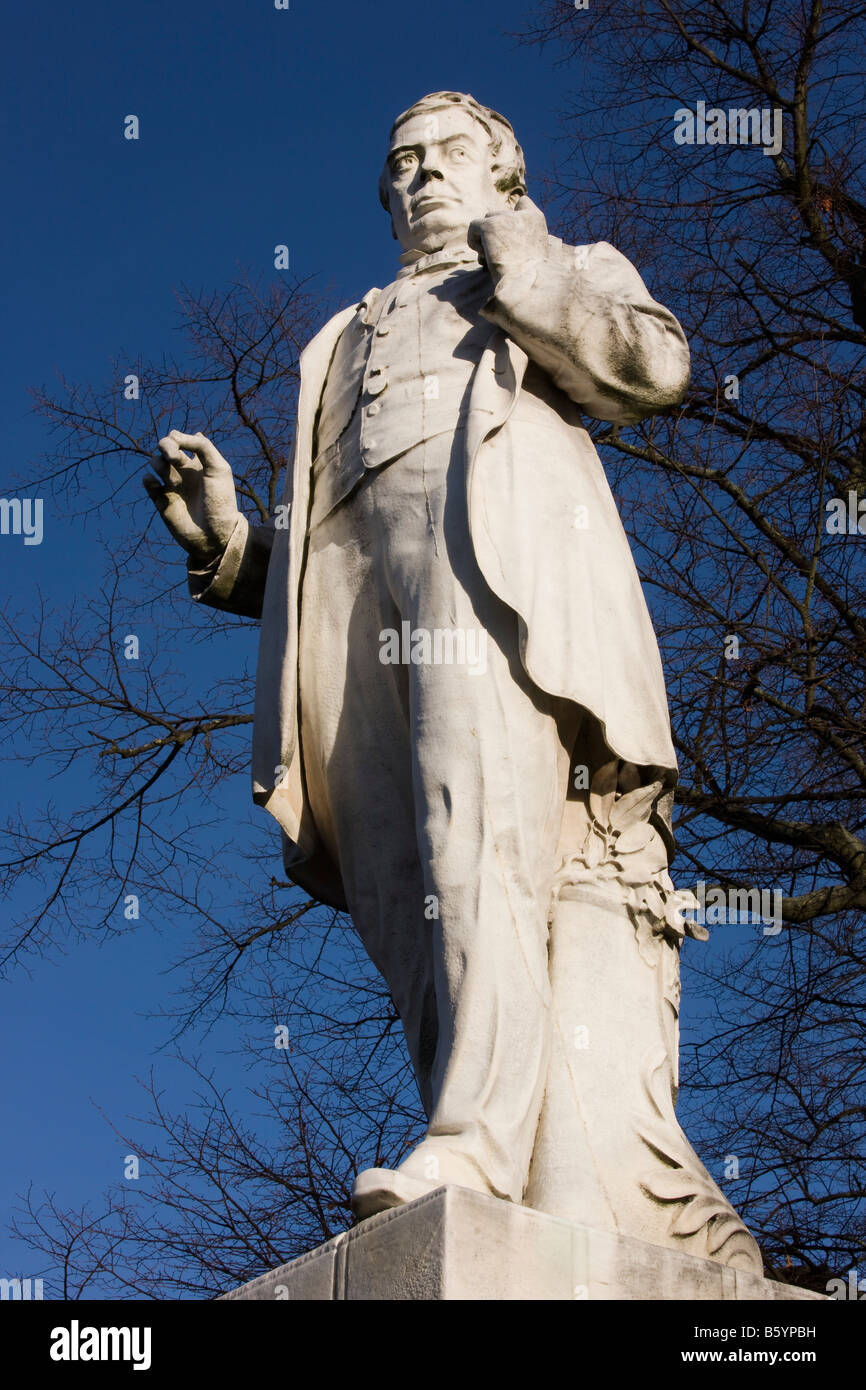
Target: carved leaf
[653, 902]
[634, 838]
[648, 942]
[723, 1229]
[673, 917]
[670, 1185]
[698, 1213]
[593, 851]
[658, 1091]
[707, 1214]
[634, 807]
[602, 791]
[633, 871]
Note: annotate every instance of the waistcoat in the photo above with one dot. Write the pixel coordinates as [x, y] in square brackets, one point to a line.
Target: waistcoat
[400, 373]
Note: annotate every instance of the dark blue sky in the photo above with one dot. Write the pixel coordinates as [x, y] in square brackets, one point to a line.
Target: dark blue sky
[257, 127]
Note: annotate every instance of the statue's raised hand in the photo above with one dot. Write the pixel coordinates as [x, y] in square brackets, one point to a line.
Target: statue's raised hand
[510, 238]
[194, 496]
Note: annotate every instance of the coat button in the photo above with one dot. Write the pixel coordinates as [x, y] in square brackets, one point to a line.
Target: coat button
[374, 408]
[383, 330]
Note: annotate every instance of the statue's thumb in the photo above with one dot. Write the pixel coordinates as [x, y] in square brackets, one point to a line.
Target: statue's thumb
[526, 205]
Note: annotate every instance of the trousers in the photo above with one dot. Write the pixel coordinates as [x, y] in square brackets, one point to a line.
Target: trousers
[438, 786]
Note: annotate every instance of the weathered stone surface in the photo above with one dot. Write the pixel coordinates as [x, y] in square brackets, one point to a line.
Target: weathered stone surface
[456, 1244]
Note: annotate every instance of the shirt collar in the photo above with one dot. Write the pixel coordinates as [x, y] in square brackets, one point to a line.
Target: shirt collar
[417, 262]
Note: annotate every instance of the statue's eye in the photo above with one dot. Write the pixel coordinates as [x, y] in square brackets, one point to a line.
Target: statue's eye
[402, 162]
[459, 152]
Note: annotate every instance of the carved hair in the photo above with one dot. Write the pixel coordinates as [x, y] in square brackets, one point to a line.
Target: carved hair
[508, 166]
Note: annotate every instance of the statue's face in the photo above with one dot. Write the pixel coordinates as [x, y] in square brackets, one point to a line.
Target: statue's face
[440, 178]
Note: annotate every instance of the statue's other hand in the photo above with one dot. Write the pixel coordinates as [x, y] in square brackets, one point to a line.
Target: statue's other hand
[509, 238]
[194, 496]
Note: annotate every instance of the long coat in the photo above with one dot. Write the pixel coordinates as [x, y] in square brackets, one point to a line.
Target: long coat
[545, 528]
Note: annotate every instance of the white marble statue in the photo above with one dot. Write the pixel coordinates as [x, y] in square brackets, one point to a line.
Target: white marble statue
[461, 723]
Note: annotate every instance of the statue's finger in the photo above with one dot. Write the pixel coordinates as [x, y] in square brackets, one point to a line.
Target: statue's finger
[163, 498]
[529, 208]
[155, 489]
[169, 446]
[474, 237]
[169, 461]
[174, 513]
[212, 460]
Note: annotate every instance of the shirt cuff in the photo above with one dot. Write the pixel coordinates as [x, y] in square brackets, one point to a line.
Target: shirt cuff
[217, 580]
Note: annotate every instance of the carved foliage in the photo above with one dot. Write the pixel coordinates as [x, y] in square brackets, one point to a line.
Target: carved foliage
[622, 848]
[707, 1220]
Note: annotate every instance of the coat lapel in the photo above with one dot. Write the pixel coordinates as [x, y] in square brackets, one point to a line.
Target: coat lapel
[497, 381]
[276, 766]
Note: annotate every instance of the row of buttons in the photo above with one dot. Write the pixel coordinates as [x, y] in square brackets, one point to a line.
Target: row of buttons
[376, 380]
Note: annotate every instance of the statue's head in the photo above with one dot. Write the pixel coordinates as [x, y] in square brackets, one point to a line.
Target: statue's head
[450, 161]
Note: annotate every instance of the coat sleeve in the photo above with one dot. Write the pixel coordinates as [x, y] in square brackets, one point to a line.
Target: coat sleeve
[235, 581]
[585, 316]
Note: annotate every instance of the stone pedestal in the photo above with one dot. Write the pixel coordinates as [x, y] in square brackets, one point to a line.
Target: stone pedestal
[457, 1244]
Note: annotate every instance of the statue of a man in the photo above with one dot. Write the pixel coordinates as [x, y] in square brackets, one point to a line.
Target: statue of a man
[454, 638]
